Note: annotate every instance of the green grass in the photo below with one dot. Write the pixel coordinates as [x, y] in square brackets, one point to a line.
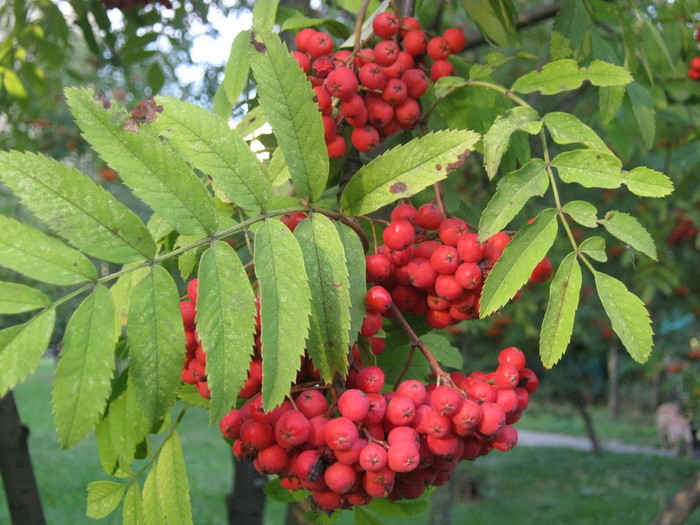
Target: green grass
[632, 427]
[524, 486]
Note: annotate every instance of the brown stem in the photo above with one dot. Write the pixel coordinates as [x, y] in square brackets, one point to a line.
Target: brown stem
[411, 353]
[348, 222]
[443, 377]
[371, 439]
[358, 25]
[438, 199]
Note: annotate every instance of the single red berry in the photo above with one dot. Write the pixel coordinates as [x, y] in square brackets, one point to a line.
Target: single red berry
[421, 273]
[323, 99]
[404, 211]
[273, 459]
[447, 286]
[438, 48]
[378, 344]
[192, 290]
[311, 403]
[429, 217]
[353, 404]
[506, 376]
[395, 92]
[445, 259]
[407, 113]
[468, 275]
[372, 76]
[370, 380]
[441, 68]
[414, 42]
[373, 457]
[352, 106]
[529, 380]
[492, 419]
[469, 248]
[378, 299]
[455, 39]
[466, 418]
[400, 410]
[542, 272]
[365, 56]
[303, 60]
[495, 245]
[187, 311]
[386, 52]
[513, 356]
[365, 138]
[412, 389]
[340, 433]
[292, 429]
[408, 23]
[403, 457]
[399, 235]
[336, 147]
[329, 128]
[359, 120]
[404, 297]
[319, 44]
[341, 82]
[371, 323]
[341, 57]
[506, 439]
[385, 25]
[322, 66]
[379, 112]
[378, 267]
[451, 230]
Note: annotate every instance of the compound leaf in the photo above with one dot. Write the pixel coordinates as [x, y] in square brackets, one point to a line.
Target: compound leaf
[225, 324]
[84, 372]
[406, 169]
[558, 322]
[327, 274]
[519, 258]
[565, 75]
[156, 342]
[285, 305]
[76, 208]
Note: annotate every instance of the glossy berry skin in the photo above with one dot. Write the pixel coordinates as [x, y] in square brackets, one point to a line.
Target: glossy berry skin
[341, 82]
[353, 404]
[395, 92]
[441, 68]
[455, 39]
[385, 25]
[406, 212]
[372, 76]
[399, 235]
[365, 138]
[445, 259]
[429, 217]
[340, 433]
[336, 147]
[416, 83]
[319, 44]
[438, 48]
[415, 42]
[468, 275]
[542, 272]
[378, 299]
[513, 356]
[386, 52]
[378, 267]
[302, 38]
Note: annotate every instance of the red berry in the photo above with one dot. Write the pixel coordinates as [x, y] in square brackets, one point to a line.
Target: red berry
[324, 100]
[407, 113]
[492, 420]
[445, 259]
[408, 23]
[187, 311]
[192, 290]
[421, 273]
[365, 56]
[429, 217]
[371, 323]
[322, 66]
[451, 230]
[446, 399]
[438, 319]
[403, 457]
[455, 39]
[341, 82]
[319, 44]
[506, 376]
[395, 92]
[399, 235]
[542, 272]
[378, 267]
[336, 147]
[416, 82]
[495, 245]
[365, 138]
[469, 248]
[385, 25]
[513, 356]
[311, 403]
[414, 42]
[404, 297]
[404, 211]
[379, 112]
[352, 106]
[340, 433]
[447, 286]
[373, 457]
[468, 275]
[353, 404]
[370, 380]
[386, 52]
[302, 38]
[467, 417]
[292, 429]
[273, 459]
[506, 439]
[438, 48]
[372, 76]
[441, 68]
[303, 60]
[329, 128]
[378, 299]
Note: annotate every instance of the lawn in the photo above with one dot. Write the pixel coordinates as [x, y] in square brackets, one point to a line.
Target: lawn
[524, 486]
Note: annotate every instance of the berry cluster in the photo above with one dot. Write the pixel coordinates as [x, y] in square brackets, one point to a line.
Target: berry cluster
[373, 445]
[375, 90]
[127, 5]
[694, 68]
[432, 266]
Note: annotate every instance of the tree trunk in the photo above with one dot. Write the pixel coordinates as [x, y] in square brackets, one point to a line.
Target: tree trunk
[16, 467]
[613, 382]
[588, 423]
[246, 502]
[681, 505]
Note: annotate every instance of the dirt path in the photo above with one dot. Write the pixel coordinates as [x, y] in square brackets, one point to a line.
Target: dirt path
[528, 438]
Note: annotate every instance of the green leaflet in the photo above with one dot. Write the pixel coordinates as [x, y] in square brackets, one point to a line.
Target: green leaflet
[33, 253]
[610, 102]
[330, 295]
[235, 74]
[644, 112]
[566, 128]
[570, 31]
[156, 342]
[355, 261]
[122, 290]
[512, 192]
[521, 255]
[147, 165]
[265, 13]
[497, 138]
[628, 315]
[630, 231]
[590, 168]
[173, 487]
[103, 497]
[76, 208]
[443, 350]
[21, 348]
[406, 169]
[153, 512]
[284, 308]
[84, 372]
[19, 298]
[496, 20]
[362, 517]
[558, 322]
[132, 509]
[594, 247]
[399, 509]
[287, 100]
[646, 182]
[225, 324]
[582, 212]
[565, 75]
[207, 142]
